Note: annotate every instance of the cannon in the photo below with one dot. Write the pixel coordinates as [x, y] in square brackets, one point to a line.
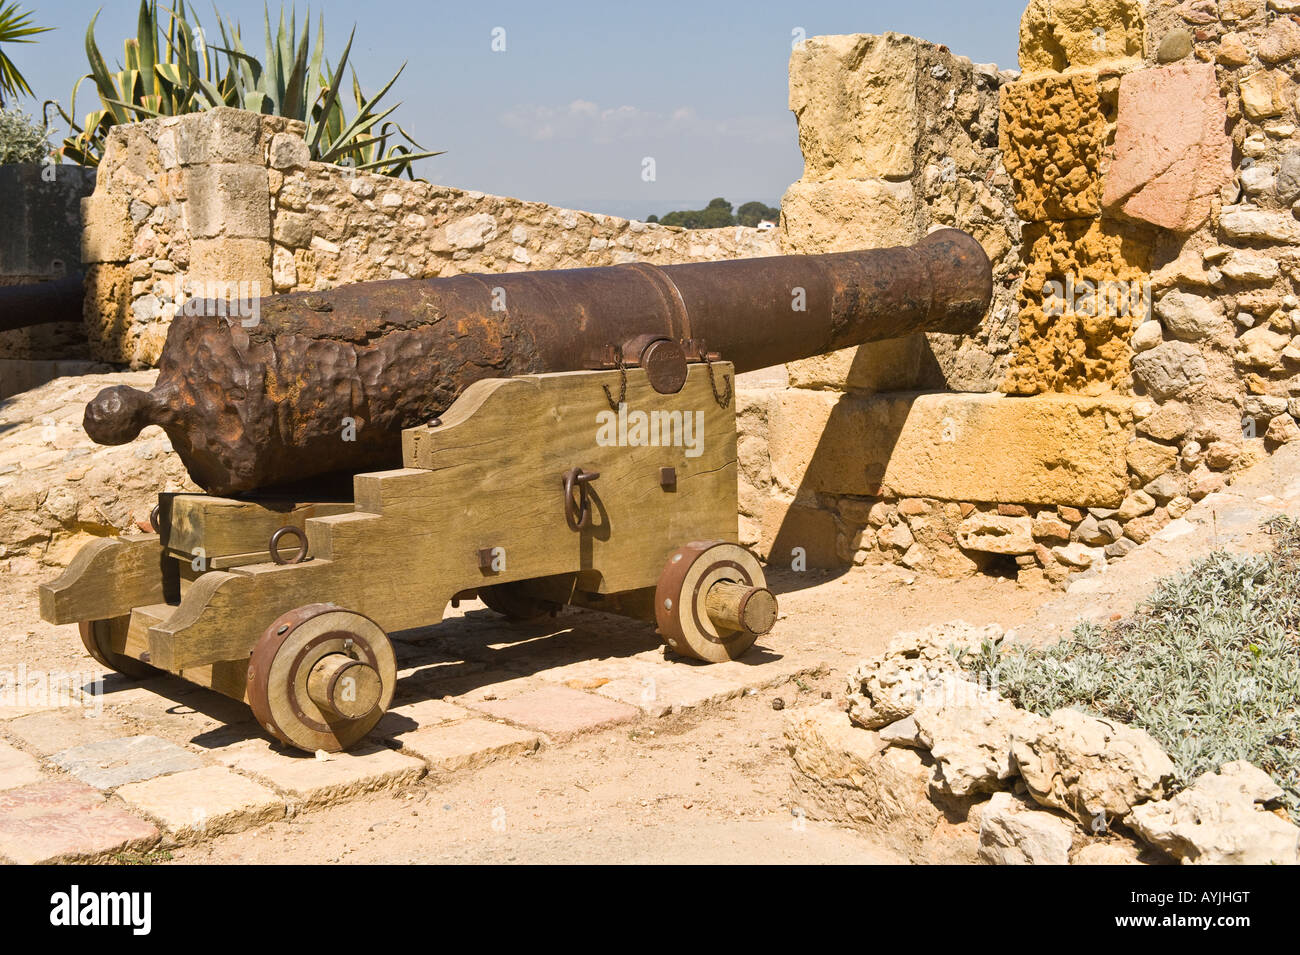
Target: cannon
[375, 453]
[41, 303]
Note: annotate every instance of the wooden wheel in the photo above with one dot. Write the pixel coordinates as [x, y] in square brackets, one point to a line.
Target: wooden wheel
[321, 677]
[712, 601]
[99, 638]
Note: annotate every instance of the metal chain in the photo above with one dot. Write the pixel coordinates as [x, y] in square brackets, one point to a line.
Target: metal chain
[722, 399]
[622, 382]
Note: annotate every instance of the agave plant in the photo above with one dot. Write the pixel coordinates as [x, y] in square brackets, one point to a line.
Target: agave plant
[170, 69]
[15, 27]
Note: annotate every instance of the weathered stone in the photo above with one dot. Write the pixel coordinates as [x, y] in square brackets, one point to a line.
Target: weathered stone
[1047, 527]
[1039, 450]
[1191, 317]
[1013, 834]
[115, 762]
[1148, 460]
[1288, 176]
[1079, 555]
[1218, 821]
[468, 744]
[1060, 35]
[969, 732]
[1281, 41]
[202, 803]
[1121, 548]
[1248, 267]
[472, 232]
[1169, 370]
[1090, 767]
[855, 100]
[1106, 853]
[228, 200]
[1170, 423]
[1148, 335]
[995, 534]
[899, 364]
[1051, 136]
[1172, 155]
[832, 216]
[1232, 51]
[1175, 45]
[916, 665]
[1166, 487]
[1142, 529]
[106, 230]
[1082, 349]
[1261, 347]
[1282, 430]
[60, 821]
[561, 712]
[312, 782]
[289, 151]
[16, 767]
[1264, 94]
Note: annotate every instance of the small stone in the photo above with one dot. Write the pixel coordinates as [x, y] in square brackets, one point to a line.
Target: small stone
[1078, 555]
[1148, 335]
[1249, 267]
[1089, 532]
[1136, 505]
[1071, 514]
[1282, 430]
[1176, 45]
[778, 703]
[1013, 834]
[1190, 317]
[1120, 548]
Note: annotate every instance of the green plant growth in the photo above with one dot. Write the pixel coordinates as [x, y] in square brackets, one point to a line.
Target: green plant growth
[170, 68]
[22, 140]
[1209, 665]
[15, 27]
[717, 214]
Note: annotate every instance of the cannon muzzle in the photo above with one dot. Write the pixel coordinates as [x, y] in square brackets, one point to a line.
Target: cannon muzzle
[309, 384]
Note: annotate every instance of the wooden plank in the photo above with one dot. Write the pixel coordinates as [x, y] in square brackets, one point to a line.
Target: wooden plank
[107, 578]
[479, 482]
[219, 527]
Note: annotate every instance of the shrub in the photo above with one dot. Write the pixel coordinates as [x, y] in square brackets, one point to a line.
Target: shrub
[21, 138]
[1209, 665]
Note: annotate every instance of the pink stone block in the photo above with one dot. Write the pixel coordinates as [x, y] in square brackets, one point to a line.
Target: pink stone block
[64, 821]
[1172, 155]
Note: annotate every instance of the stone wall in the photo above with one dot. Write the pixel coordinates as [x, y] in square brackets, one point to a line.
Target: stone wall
[40, 240]
[1135, 188]
[230, 199]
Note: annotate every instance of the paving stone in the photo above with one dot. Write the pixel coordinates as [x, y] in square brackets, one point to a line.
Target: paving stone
[192, 717]
[468, 744]
[64, 821]
[312, 782]
[561, 712]
[202, 803]
[53, 731]
[655, 687]
[17, 768]
[409, 717]
[115, 762]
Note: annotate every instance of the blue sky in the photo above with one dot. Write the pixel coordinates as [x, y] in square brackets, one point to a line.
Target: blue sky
[583, 92]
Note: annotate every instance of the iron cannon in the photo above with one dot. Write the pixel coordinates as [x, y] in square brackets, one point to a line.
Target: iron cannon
[535, 440]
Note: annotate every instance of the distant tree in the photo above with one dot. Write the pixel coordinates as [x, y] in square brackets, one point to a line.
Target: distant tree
[752, 213]
[717, 215]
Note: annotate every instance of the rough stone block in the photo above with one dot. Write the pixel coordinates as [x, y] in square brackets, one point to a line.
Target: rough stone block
[560, 712]
[62, 821]
[1052, 134]
[1172, 155]
[115, 762]
[854, 97]
[900, 364]
[311, 782]
[409, 717]
[203, 803]
[16, 767]
[106, 229]
[1085, 291]
[836, 216]
[654, 687]
[222, 135]
[1061, 35]
[232, 260]
[61, 729]
[795, 534]
[468, 744]
[228, 200]
[1052, 449]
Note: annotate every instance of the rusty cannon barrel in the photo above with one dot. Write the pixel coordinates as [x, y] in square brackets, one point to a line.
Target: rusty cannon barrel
[312, 384]
[41, 303]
